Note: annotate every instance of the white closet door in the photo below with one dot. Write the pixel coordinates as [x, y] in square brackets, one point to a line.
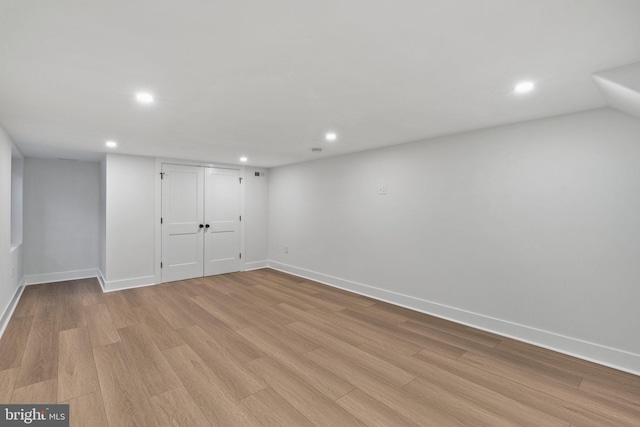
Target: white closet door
[182, 217]
[222, 221]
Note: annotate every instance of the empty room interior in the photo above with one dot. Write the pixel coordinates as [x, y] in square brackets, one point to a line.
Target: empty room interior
[336, 213]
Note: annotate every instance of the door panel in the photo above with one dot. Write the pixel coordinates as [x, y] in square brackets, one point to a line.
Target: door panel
[182, 214]
[183, 249]
[222, 214]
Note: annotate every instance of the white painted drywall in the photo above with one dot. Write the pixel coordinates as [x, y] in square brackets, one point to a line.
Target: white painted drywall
[531, 229]
[9, 278]
[61, 215]
[130, 221]
[256, 191]
[102, 220]
[17, 173]
[17, 217]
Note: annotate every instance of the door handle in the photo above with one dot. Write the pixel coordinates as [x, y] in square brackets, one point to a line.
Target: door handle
[201, 226]
[207, 225]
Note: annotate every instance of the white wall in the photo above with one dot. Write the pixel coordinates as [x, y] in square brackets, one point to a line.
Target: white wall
[17, 192]
[132, 230]
[61, 215]
[102, 221]
[530, 230]
[10, 261]
[256, 192]
[130, 221]
[17, 218]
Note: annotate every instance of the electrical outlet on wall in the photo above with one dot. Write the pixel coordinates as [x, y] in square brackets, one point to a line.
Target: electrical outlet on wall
[382, 189]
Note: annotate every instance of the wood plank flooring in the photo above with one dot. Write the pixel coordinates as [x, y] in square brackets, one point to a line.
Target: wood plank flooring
[264, 348]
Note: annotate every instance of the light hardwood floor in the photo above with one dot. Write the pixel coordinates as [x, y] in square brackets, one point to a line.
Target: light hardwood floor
[266, 348]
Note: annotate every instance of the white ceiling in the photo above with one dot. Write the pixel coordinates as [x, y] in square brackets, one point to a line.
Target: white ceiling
[267, 79]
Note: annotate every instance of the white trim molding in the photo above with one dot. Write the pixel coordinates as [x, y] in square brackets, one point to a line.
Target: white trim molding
[101, 279]
[10, 308]
[36, 279]
[255, 265]
[603, 355]
[136, 282]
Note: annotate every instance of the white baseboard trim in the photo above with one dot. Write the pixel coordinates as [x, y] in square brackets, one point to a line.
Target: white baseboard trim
[101, 280]
[136, 282]
[36, 279]
[10, 308]
[603, 355]
[256, 265]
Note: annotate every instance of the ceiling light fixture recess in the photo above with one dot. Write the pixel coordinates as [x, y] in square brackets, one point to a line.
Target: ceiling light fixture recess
[524, 87]
[331, 136]
[243, 159]
[111, 144]
[144, 97]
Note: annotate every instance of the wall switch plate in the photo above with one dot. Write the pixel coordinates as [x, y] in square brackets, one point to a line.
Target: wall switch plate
[286, 249]
[382, 189]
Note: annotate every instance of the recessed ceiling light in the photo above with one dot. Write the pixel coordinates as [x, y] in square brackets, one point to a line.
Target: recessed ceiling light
[243, 159]
[524, 87]
[331, 136]
[144, 97]
[111, 144]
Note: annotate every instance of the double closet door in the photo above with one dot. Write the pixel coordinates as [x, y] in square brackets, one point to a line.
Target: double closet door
[200, 221]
